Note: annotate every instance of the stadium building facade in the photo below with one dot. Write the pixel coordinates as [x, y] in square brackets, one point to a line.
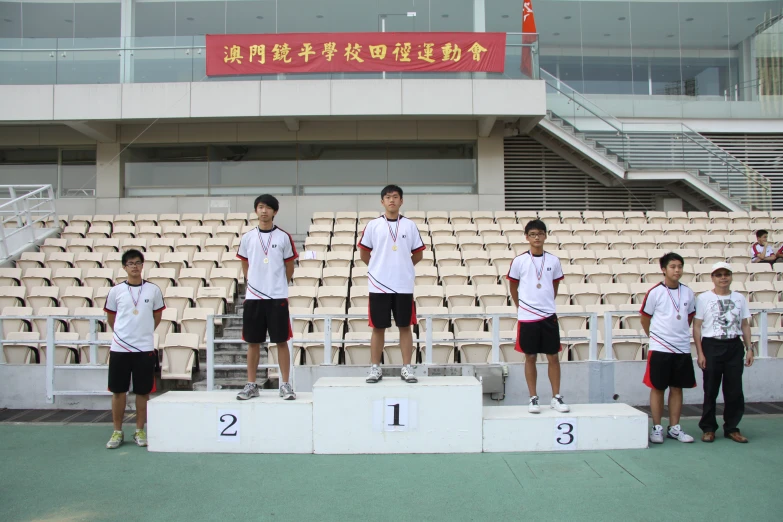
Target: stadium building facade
[627, 105]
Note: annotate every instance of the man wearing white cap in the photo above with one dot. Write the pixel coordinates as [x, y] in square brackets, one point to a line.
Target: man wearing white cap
[721, 331]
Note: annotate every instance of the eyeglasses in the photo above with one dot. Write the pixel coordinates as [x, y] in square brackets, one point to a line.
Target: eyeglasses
[536, 236]
[721, 274]
[134, 265]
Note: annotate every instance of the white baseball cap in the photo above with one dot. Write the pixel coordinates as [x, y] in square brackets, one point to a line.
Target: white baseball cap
[721, 265]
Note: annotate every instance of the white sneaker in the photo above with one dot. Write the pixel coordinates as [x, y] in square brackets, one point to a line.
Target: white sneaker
[558, 404]
[675, 432]
[656, 434]
[533, 407]
[375, 374]
[287, 392]
[406, 374]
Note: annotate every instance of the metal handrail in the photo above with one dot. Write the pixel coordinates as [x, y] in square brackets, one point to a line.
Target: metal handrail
[24, 216]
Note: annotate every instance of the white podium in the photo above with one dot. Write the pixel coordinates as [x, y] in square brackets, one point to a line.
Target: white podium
[216, 422]
[435, 415]
[585, 427]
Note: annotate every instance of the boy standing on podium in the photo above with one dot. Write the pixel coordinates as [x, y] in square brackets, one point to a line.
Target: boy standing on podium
[390, 246]
[533, 280]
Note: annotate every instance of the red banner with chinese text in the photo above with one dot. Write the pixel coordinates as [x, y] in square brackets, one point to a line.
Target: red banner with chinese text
[248, 54]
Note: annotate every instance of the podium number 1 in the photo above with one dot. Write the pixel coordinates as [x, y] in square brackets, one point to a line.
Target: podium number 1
[228, 426]
[565, 434]
[395, 414]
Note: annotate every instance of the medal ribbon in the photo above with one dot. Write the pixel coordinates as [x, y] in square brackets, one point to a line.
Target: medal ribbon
[539, 273]
[397, 230]
[138, 297]
[261, 239]
[677, 304]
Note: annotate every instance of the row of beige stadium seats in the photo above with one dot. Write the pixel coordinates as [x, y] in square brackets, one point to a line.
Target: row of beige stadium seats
[215, 298]
[519, 244]
[176, 260]
[325, 218]
[161, 245]
[179, 351]
[153, 232]
[447, 229]
[106, 277]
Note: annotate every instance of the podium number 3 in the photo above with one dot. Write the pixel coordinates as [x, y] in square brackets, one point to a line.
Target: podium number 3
[566, 429]
[226, 418]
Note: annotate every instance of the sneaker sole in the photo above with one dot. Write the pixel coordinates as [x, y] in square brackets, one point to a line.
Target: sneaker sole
[113, 447]
[289, 398]
[373, 382]
[536, 411]
[409, 380]
[675, 438]
[656, 442]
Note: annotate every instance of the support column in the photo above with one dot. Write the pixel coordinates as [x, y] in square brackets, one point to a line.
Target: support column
[127, 27]
[109, 171]
[490, 166]
[480, 16]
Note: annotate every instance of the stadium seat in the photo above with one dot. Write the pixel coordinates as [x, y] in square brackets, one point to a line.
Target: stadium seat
[615, 293]
[598, 274]
[39, 324]
[360, 296]
[585, 294]
[491, 295]
[194, 321]
[476, 257]
[332, 296]
[426, 275]
[24, 350]
[761, 272]
[439, 324]
[162, 245]
[505, 217]
[54, 245]
[217, 245]
[626, 273]
[188, 245]
[453, 275]
[345, 230]
[763, 292]
[483, 275]
[442, 347]
[417, 216]
[31, 260]
[124, 220]
[32, 277]
[477, 351]
[460, 295]
[180, 350]
[337, 322]
[227, 278]
[164, 277]
[86, 260]
[307, 276]
[570, 322]
[361, 323]
[625, 349]
[179, 298]
[12, 296]
[317, 244]
[81, 325]
[57, 260]
[99, 277]
[573, 274]
[467, 325]
[424, 296]
[65, 277]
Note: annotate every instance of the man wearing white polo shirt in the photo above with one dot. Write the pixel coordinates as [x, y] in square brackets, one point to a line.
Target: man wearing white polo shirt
[390, 246]
[667, 312]
[134, 309]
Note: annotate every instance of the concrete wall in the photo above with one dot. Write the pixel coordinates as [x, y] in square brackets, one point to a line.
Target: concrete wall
[23, 386]
[289, 98]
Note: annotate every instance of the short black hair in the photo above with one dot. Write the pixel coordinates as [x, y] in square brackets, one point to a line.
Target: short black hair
[535, 224]
[760, 233]
[268, 200]
[131, 254]
[671, 256]
[388, 189]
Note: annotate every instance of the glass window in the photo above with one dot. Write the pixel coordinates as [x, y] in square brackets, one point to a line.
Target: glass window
[445, 165]
[29, 167]
[251, 17]
[235, 169]
[182, 171]
[342, 168]
[71, 20]
[78, 171]
[10, 20]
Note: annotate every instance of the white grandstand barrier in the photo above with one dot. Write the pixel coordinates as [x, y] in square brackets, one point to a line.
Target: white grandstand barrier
[35, 205]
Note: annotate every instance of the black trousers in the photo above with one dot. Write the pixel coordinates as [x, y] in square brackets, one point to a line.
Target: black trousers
[726, 362]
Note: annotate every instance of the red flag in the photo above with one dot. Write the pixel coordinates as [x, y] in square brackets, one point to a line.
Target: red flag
[528, 26]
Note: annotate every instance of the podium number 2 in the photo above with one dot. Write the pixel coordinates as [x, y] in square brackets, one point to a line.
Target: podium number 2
[228, 426]
[565, 434]
[226, 417]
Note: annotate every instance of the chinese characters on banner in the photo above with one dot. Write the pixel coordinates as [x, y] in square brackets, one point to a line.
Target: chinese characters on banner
[247, 54]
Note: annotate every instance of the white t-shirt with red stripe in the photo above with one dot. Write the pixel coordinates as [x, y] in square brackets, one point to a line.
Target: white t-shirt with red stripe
[391, 269]
[667, 333]
[757, 250]
[134, 332]
[266, 280]
[535, 304]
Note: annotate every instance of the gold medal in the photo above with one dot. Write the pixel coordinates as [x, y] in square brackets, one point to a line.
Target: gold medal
[394, 248]
[538, 285]
[266, 260]
[135, 312]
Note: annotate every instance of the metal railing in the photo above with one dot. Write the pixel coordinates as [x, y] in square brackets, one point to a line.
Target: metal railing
[36, 61]
[650, 146]
[26, 207]
[51, 343]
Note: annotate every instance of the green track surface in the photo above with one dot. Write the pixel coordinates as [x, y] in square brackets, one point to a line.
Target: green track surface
[64, 473]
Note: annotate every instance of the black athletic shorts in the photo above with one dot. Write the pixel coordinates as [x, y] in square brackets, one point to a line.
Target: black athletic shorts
[669, 369]
[539, 336]
[383, 306]
[138, 365]
[262, 316]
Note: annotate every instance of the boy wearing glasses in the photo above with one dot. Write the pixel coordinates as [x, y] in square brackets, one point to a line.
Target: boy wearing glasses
[134, 308]
[533, 280]
[721, 332]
